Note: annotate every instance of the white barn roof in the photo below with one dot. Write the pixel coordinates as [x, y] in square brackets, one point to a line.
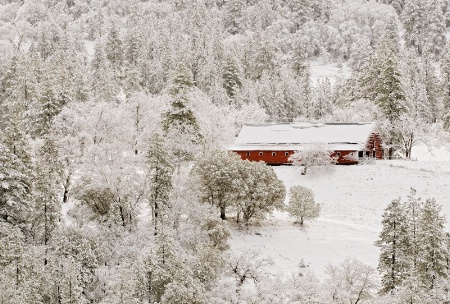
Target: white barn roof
[348, 136]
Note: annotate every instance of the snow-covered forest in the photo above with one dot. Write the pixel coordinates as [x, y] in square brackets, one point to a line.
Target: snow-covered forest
[115, 118]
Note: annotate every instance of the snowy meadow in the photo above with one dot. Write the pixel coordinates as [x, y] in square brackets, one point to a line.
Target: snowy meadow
[353, 199]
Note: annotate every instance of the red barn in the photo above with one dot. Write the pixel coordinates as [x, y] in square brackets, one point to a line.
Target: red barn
[274, 143]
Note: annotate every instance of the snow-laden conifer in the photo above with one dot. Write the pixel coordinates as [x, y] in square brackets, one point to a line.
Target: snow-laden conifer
[160, 182]
[432, 253]
[395, 261]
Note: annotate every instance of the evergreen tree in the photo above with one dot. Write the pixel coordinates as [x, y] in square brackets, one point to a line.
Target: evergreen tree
[394, 242]
[15, 187]
[432, 248]
[431, 86]
[445, 85]
[179, 122]
[413, 211]
[103, 83]
[231, 77]
[398, 5]
[261, 57]
[47, 192]
[114, 50]
[233, 17]
[160, 178]
[414, 19]
[436, 28]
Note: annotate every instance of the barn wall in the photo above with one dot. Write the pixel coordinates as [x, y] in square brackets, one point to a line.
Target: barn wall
[374, 143]
[345, 157]
[280, 157]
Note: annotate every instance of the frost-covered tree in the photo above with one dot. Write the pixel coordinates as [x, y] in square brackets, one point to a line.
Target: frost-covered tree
[394, 242]
[351, 282]
[413, 211]
[232, 82]
[216, 174]
[47, 192]
[302, 205]
[15, 187]
[316, 156]
[432, 251]
[233, 16]
[445, 85]
[103, 82]
[160, 181]
[414, 19]
[179, 121]
[258, 190]
[114, 49]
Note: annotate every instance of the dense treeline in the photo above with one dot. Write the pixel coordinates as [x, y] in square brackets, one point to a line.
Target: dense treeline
[106, 105]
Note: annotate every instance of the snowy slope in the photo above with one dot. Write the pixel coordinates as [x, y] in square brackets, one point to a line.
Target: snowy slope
[353, 199]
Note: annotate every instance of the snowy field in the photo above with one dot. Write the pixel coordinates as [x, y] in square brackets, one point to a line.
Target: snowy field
[353, 199]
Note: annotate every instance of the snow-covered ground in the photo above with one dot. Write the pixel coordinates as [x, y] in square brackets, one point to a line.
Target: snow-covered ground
[353, 199]
[321, 70]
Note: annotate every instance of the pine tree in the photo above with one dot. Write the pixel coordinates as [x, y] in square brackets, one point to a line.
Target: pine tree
[261, 52]
[394, 242]
[390, 98]
[414, 19]
[103, 82]
[179, 122]
[233, 17]
[413, 211]
[15, 186]
[398, 5]
[432, 248]
[436, 28]
[160, 178]
[431, 86]
[114, 50]
[445, 85]
[231, 77]
[47, 191]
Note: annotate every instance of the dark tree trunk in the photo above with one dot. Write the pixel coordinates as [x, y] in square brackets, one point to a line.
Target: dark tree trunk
[222, 213]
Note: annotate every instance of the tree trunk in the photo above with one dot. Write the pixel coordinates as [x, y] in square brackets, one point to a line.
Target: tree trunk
[222, 212]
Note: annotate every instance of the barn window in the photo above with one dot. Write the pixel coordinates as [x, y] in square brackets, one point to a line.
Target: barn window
[374, 154]
[287, 153]
[260, 153]
[367, 153]
[360, 154]
[274, 153]
[339, 154]
[248, 153]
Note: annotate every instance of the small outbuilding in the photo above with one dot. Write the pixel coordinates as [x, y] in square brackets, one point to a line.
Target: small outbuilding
[349, 143]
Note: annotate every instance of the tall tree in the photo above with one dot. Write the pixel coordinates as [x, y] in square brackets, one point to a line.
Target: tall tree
[394, 242]
[432, 247]
[160, 179]
[47, 191]
[179, 121]
[16, 177]
[231, 75]
[445, 85]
